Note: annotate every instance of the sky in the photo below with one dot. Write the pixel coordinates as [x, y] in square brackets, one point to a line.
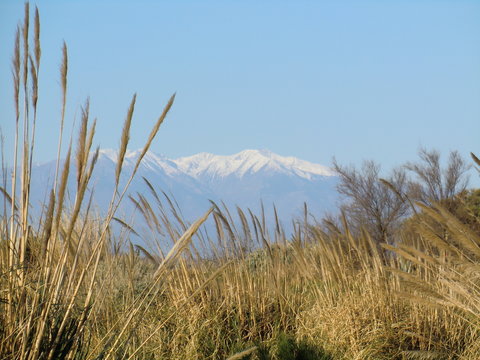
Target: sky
[355, 80]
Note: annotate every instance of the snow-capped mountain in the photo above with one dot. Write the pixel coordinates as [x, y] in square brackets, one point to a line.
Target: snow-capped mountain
[206, 165]
[245, 179]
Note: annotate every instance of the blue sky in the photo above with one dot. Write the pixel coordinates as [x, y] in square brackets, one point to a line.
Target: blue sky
[312, 79]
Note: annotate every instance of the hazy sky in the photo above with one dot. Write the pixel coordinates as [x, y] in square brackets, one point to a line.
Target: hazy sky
[312, 79]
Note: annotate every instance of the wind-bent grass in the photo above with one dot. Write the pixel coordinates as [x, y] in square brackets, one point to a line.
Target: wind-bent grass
[69, 291]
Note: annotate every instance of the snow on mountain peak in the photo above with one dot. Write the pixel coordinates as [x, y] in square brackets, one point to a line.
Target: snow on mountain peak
[151, 160]
[249, 161]
[110, 154]
[210, 165]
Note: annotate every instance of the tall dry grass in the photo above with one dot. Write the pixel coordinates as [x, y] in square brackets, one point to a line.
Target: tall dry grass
[50, 275]
[70, 289]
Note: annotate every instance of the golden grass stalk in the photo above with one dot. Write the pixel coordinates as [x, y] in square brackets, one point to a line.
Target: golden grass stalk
[16, 73]
[25, 29]
[63, 82]
[154, 131]
[16, 85]
[38, 49]
[124, 140]
[82, 150]
[182, 243]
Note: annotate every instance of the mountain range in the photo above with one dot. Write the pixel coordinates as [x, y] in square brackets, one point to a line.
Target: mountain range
[246, 179]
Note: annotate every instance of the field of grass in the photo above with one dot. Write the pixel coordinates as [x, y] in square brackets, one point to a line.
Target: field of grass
[70, 288]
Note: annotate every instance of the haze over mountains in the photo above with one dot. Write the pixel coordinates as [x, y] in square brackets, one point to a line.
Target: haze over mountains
[245, 179]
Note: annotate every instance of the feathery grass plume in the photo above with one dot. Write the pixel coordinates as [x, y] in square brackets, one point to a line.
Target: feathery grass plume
[402, 197]
[152, 189]
[124, 139]
[63, 82]
[437, 237]
[25, 29]
[464, 236]
[63, 187]
[16, 73]
[182, 243]
[34, 94]
[125, 225]
[147, 211]
[16, 98]
[38, 49]
[25, 235]
[137, 205]
[454, 254]
[63, 75]
[24, 174]
[33, 75]
[173, 232]
[245, 227]
[226, 224]
[82, 151]
[154, 131]
[277, 222]
[174, 209]
[47, 230]
[85, 178]
[149, 214]
[255, 228]
[115, 204]
[87, 173]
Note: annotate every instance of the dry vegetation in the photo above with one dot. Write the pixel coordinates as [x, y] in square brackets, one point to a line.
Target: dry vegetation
[332, 291]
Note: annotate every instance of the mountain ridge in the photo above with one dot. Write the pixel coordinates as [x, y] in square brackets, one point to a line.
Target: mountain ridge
[253, 179]
[239, 164]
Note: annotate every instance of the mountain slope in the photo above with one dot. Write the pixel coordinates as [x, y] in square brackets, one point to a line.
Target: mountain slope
[246, 179]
